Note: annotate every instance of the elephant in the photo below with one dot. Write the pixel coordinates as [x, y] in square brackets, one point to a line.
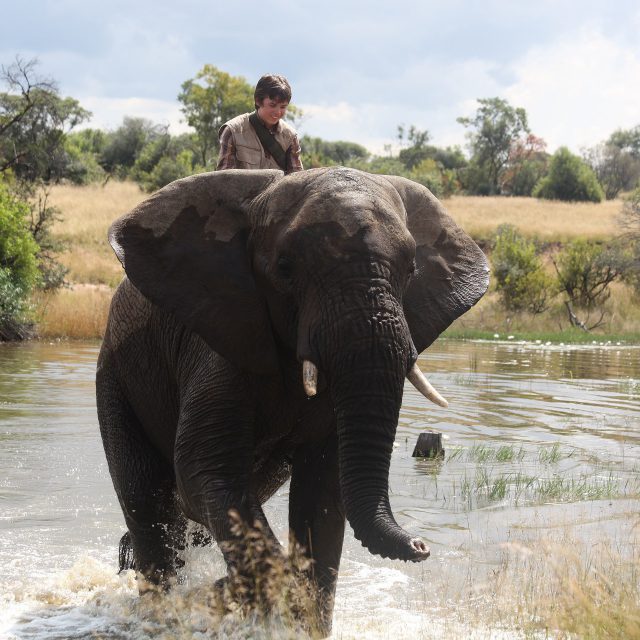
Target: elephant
[263, 331]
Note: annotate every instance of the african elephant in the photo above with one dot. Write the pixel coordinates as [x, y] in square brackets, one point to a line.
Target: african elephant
[264, 330]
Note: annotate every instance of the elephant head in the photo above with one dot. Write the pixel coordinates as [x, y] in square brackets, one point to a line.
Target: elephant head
[351, 274]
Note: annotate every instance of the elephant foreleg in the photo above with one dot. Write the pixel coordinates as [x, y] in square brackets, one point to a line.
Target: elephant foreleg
[213, 457]
[317, 518]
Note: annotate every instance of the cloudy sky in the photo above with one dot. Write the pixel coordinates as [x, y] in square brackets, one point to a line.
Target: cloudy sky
[358, 69]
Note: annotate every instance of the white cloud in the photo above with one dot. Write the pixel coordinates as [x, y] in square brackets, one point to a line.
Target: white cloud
[108, 112]
[579, 90]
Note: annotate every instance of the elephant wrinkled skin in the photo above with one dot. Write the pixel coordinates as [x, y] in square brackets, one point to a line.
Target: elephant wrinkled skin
[233, 280]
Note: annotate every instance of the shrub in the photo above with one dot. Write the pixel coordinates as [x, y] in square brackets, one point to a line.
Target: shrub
[569, 178]
[586, 269]
[519, 274]
[18, 262]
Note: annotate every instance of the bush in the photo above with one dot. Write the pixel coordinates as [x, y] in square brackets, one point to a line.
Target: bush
[520, 277]
[586, 269]
[18, 262]
[569, 178]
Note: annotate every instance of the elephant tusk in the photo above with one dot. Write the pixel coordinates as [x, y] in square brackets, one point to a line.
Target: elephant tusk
[418, 380]
[310, 378]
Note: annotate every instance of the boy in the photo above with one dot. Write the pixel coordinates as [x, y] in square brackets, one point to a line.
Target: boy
[262, 140]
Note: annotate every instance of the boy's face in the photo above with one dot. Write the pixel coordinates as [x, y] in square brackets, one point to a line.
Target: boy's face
[271, 110]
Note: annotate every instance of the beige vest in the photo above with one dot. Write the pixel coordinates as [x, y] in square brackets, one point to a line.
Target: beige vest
[249, 151]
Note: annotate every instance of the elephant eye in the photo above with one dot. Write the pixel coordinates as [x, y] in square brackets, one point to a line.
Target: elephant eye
[411, 270]
[285, 267]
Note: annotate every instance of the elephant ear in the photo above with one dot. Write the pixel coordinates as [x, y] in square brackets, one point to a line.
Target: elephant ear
[185, 249]
[452, 272]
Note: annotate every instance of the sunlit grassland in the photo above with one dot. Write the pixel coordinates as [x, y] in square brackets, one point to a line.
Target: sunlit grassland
[88, 211]
[78, 313]
[547, 221]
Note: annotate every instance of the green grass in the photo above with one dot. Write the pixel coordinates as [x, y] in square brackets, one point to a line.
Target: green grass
[568, 336]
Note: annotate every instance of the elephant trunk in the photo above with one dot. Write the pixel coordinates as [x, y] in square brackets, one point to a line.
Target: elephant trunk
[366, 385]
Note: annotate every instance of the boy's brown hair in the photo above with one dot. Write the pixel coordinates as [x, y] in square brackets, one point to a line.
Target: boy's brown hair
[274, 87]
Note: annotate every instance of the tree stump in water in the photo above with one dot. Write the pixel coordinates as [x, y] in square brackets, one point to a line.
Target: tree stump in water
[429, 445]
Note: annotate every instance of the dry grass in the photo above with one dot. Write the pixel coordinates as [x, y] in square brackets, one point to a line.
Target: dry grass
[542, 219]
[80, 312]
[88, 211]
[569, 589]
[621, 317]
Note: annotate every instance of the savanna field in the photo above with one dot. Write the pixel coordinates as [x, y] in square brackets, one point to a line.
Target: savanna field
[80, 310]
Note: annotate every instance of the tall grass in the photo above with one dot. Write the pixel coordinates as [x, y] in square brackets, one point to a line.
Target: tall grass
[73, 313]
[566, 588]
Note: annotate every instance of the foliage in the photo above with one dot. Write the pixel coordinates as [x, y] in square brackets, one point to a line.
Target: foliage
[165, 159]
[526, 165]
[210, 99]
[519, 274]
[627, 140]
[570, 179]
[616, 169]
[586, 269]
[317, 152]
[493, 130]
[34, 121]
[18, 262]
[123, 146]
[630, 221]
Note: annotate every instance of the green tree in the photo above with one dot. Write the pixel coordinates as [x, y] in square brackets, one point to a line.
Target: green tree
[627, 140]
[616, 169]
[526, 165]
[520, 278]
[630, 221]
[570, 179]
[492, 131]
[164, 160]
[123, 146]
[34, 122]
[317, 152]
[18, 263]
[210, 99]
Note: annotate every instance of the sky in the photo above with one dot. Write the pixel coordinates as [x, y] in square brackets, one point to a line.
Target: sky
[357, 69]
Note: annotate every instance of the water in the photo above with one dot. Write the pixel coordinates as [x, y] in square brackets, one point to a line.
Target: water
[543, 443]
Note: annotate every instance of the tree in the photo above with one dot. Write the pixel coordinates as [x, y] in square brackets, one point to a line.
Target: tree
[317, 152]
[34, 121]
[124, 145]
[493, 129]
[164, 160]
[520, 278]
[630, 222]
[616, 169]
[209, 100]
[526, 165]
[585, 271]
[627, 140]
[18, 262]
[570, 179]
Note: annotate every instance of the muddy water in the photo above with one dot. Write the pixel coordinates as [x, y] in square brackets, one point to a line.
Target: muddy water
[542, 442]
